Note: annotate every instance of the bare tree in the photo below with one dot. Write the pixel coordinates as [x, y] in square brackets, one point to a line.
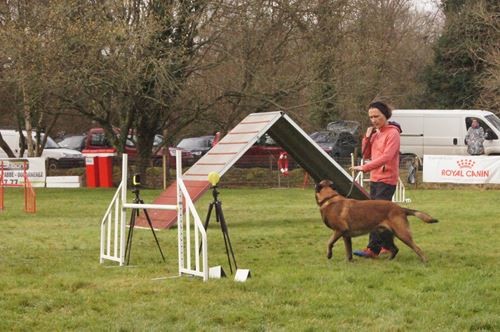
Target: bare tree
[259, 57]
[488, 21]
[22, 40]
[360, 50]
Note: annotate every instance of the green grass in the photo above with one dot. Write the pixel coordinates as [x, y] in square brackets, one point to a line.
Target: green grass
[51, 279]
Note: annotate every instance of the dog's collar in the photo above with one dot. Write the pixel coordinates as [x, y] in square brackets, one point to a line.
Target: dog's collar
[326, 201]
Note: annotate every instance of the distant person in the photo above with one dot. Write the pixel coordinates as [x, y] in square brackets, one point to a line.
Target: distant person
[216, 139]
[381, 145]
[475, 138]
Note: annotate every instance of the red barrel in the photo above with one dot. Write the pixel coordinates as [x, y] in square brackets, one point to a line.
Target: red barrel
[91, 168]
[105, 161]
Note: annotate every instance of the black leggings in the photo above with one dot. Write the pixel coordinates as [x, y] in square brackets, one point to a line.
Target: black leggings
[379, 239]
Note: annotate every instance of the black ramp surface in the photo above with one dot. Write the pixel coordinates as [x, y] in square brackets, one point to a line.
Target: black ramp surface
[313, 158]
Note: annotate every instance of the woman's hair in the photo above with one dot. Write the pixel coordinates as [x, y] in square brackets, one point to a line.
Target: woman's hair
[382, 107]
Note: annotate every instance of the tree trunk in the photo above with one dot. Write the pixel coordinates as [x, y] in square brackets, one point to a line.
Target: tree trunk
[144, 149]
[27, 121]
[6, 147]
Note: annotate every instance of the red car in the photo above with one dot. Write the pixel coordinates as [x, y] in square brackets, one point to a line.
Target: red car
[96, 140]
[264, 153]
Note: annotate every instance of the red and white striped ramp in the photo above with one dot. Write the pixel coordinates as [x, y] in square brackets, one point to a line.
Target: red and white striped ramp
[226, 153]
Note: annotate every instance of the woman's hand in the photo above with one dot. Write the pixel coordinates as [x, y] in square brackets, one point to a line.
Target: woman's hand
[356, 168]
[369, 132]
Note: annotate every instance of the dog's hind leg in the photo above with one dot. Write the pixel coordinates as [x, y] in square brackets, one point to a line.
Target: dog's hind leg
[387, 237]
[348, 247]
[336, 235]
[405, 236]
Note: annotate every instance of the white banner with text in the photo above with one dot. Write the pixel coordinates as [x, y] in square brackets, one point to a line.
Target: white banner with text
[13, 171]
[462, 169]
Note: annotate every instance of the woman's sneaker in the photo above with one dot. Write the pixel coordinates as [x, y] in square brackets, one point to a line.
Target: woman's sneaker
[366, 253]
[384, 252]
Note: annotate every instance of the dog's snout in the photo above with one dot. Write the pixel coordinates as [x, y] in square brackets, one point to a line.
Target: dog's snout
[318, 187]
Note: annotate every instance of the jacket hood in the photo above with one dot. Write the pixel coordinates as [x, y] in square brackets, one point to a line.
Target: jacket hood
[395, 125]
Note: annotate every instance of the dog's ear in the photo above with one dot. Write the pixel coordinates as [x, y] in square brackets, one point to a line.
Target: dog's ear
[318, 187]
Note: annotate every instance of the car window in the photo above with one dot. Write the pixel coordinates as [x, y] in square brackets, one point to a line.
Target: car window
[346, 138]
[129, 142]
[194, 142]
[324, 137]
[494, 120]
[265, 140]
[158, 140]
[132, 139]
[468, 123]
[51, 144]
[72, 142]
[98, 139]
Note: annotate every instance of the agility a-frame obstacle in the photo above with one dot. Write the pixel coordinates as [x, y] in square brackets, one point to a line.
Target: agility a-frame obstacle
[233, 146]
[113, 226]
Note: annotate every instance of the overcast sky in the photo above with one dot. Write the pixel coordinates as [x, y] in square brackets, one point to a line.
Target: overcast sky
[427, 5]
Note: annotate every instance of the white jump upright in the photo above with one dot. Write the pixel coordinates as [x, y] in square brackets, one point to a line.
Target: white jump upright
[114, 223]
[184, 241]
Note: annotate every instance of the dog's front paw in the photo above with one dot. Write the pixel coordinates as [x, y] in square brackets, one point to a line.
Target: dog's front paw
[329, 254]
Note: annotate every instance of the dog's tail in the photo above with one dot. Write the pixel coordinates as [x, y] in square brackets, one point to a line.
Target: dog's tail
[420, 215]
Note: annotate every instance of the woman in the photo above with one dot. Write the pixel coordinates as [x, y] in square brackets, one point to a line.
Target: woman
[381, 145]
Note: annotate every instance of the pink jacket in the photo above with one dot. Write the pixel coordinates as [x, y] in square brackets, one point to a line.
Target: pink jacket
[383, 150]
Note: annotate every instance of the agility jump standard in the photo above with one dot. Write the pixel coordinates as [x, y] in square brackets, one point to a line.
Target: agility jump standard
[113, 226]
[29, 192]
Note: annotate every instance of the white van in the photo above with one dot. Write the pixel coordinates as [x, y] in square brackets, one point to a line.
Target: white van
[56, 156]
[442, 132]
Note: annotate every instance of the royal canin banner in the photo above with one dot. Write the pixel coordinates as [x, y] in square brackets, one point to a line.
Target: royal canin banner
[462, 169]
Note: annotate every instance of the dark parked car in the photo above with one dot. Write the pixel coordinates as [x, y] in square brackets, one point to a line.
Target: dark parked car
[340, 139]
[198, 146]
[74, 142]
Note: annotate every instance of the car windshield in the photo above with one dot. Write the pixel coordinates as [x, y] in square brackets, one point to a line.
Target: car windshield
[324, 137]
[193, 143]
[343, 126]
[72, 141]
[266, 140]
[158, 140]
[51, 144]
[494, 120]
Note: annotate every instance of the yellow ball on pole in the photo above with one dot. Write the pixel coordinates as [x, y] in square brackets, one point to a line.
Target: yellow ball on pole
[213, 178]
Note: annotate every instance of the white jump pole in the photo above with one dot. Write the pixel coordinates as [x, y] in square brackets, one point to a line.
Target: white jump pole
[123, 221]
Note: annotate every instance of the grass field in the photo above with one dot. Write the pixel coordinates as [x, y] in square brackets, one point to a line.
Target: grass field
[51, 279]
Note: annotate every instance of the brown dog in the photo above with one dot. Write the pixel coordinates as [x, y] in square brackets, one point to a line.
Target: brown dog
[349, 218]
